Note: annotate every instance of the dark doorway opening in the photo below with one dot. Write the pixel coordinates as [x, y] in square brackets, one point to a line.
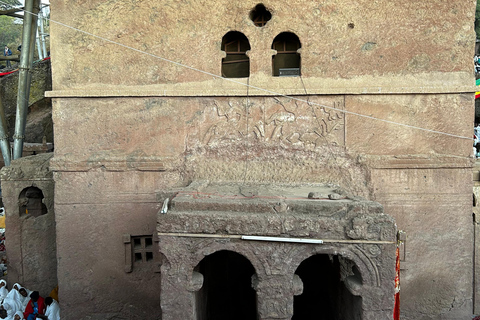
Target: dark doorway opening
[236, 64]
[227, 291]
[324, 294]
[287, 60]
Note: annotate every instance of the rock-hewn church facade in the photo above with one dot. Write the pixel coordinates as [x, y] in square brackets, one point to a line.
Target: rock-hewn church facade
[182, 128]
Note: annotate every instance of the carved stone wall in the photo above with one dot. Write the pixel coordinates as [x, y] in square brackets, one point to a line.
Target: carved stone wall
[131, 126]
[31, 245]
[355, 231]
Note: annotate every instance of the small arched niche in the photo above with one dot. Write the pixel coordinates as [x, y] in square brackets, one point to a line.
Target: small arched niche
[327, 282]
[227, 291]
[236, 63]
[286, 62]
[30, 202]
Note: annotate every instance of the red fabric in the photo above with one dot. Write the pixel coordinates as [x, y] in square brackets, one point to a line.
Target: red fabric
[396, 308]
[5, 73]
[29, 308]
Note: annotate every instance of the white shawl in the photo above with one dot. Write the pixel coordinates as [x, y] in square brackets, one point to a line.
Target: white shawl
[3, 290]
[19, 314]
[13, 302]
[23, 300]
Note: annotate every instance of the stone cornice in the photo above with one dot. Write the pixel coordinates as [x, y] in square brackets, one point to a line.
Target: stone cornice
[416, 162]
[262, 85]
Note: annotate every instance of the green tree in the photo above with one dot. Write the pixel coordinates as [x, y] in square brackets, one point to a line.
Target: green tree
[9, 4]
[10, 32]
[10, 27]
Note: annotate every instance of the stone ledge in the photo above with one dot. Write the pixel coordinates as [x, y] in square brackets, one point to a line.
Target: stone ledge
[422, 161]
[235, 209]
[35, 167]
[62, 164]
[266, 85]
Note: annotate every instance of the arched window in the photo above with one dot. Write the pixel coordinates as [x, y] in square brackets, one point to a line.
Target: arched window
[31, 203]
[227, 288]
[236, 64]
[286, 63]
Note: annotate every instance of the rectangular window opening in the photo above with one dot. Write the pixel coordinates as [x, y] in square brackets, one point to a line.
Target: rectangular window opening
[148, 242]
[149, 256]
[137, 243]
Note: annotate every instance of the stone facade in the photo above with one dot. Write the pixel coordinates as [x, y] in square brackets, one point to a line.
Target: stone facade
[28, 196]
[129, 126]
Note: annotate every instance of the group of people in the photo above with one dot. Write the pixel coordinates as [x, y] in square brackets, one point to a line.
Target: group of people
[476, 61]
[22, 304]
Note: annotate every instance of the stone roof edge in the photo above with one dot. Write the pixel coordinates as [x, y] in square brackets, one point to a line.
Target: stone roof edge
[36, 167]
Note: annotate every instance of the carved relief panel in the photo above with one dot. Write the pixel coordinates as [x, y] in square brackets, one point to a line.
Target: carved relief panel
[299, 123]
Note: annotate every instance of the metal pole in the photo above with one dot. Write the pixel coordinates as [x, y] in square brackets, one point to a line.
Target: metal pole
[4, 143]
[42, 21]
[22, 98]
[33, 35]
[39, 48]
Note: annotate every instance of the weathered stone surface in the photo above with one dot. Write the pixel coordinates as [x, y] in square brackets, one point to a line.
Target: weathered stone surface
[278, 140]
[184, 240]
[31, 245]
[407, 47]
[440, 113]
[441, 200]
[95, 209]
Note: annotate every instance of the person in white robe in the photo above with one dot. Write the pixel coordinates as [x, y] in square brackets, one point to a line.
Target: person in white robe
[3, 290]
[53, 310]
[21, 295]
[13, 302]
[25, 296]
[18, 286]
[18, 316]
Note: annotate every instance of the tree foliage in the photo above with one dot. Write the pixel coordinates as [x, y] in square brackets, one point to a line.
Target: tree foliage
[8, 4]
[10, 28]
[10, 32]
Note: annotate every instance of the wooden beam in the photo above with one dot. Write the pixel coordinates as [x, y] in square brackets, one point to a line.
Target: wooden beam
[11, 58]
[12, 13]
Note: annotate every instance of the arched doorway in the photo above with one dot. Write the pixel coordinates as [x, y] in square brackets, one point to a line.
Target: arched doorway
[227, 288]
[324, 293]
